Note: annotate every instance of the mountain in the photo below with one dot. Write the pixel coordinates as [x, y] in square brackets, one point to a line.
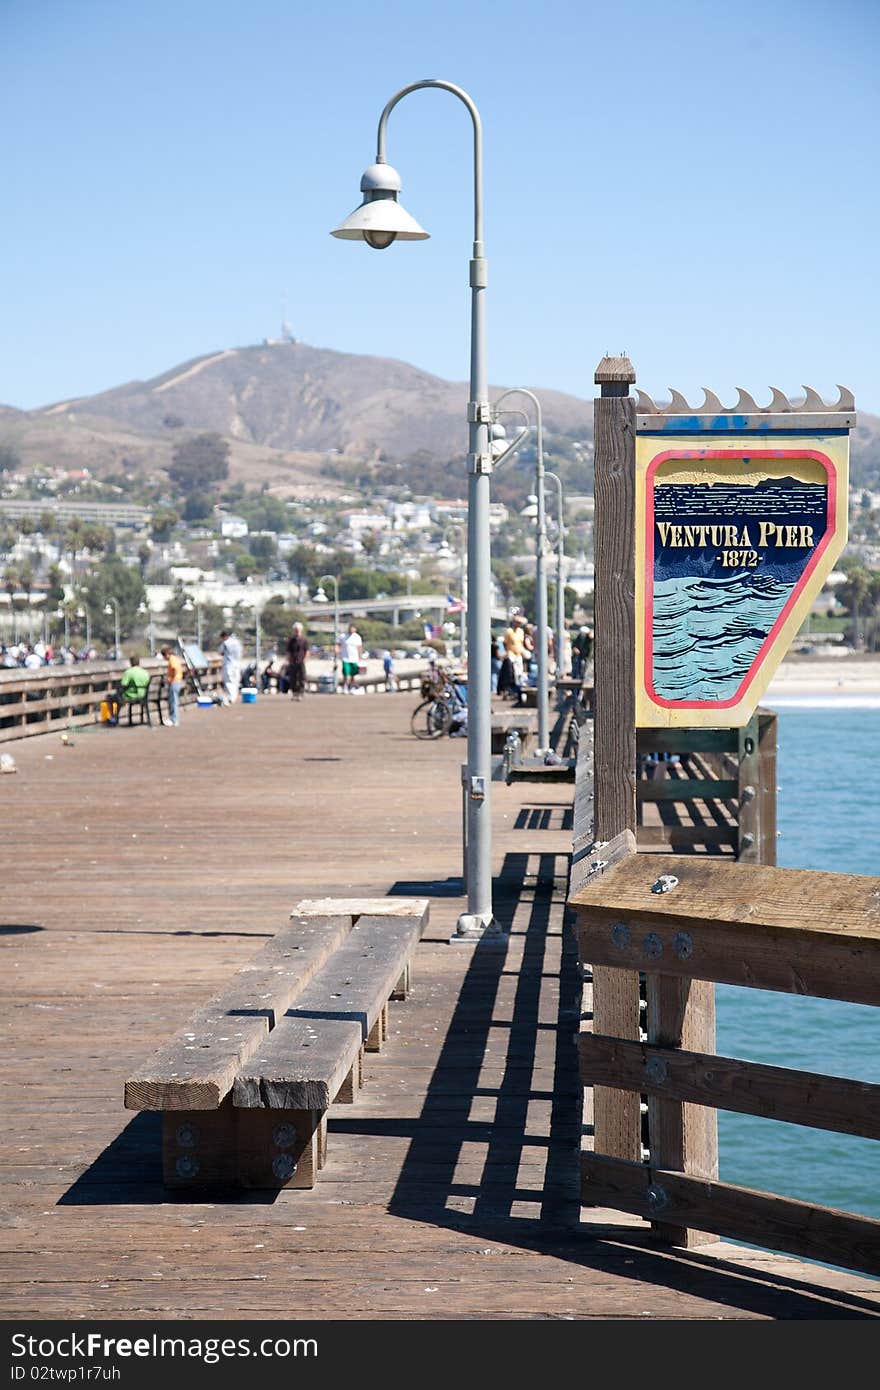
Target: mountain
[292, 396]
[309, 420]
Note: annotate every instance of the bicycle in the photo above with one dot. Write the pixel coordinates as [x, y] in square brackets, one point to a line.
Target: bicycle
[443, 706]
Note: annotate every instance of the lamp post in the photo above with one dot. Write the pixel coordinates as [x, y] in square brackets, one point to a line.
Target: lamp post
[462, 638]
[111, 606]
[189, 607]
[321, 597]
[83, 612]
[380, 220]
[145, 611]
[540, 565]
[561, 668]
[258, 613]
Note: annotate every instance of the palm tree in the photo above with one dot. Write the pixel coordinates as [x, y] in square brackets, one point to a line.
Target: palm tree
[10, 584]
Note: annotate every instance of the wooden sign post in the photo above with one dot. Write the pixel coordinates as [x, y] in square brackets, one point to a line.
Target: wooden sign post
[715, 530]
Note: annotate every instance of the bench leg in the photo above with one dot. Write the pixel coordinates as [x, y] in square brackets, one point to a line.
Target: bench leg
[352, 1084]
[404, 984]
[279, 1148]
[322, 1140]
[374, 1037]
[198, 1147]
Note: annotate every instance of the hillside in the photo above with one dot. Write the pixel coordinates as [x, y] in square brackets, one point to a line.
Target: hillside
[309, 420]
[291, 396]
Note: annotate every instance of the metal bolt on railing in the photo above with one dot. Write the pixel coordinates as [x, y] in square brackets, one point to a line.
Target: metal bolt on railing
[512, 751]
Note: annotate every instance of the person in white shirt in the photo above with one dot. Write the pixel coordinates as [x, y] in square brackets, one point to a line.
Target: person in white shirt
[350, 648]
[230, 650]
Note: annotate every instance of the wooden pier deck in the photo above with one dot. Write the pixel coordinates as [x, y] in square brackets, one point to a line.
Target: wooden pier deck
[141, 868]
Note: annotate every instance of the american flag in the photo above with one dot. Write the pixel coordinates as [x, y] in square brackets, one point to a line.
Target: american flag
[454, 605]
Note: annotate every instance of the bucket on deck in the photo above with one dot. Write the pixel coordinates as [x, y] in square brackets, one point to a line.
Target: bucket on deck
[249, 697]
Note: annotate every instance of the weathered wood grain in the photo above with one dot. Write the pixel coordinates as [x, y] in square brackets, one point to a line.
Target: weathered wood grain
[196, 1069]
[793, 930]
[801, 1228]
[750, 1088]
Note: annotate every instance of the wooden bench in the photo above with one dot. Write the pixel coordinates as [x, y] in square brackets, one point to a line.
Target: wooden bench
[503, 722]
[245, 1088]
[536, 770]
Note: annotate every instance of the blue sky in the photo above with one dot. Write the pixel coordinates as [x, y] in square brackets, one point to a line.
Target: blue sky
[692, 183]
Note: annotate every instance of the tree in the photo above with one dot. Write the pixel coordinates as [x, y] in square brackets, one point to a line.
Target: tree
[198, 462]
[113, 579]
[9, 459]
[55, 591]
[72, 540]
[198, 507]
[163, 522]
[305, 564]
[853, 593]
[263, 549]
[245, 566]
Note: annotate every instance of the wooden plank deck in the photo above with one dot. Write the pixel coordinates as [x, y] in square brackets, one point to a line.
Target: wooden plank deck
[143, 867]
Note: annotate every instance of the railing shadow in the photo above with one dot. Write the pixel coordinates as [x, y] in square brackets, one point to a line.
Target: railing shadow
[473, 1107]
[460, 1097]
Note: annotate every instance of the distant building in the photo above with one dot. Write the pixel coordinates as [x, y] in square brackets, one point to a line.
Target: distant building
[358, 522]
[232, 528]
[581, 576]
[106, 513]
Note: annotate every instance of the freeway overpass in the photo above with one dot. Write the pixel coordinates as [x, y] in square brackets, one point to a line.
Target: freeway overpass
[400, 607]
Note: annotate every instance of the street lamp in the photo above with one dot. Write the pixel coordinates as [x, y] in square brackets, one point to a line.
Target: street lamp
[190, 607]
[540, 565]
[379, 220]
[83, 612]
[462, 649]
[321, 597]
[111, 606]
[561, 669]
[145, 611]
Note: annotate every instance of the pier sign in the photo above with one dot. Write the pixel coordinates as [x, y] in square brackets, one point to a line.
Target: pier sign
[736, 534]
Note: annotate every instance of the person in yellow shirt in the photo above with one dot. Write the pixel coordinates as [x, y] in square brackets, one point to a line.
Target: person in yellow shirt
[515, 647]
[173, 684]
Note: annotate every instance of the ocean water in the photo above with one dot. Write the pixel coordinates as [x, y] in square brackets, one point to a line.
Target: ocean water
[829, 816]
[708, 631]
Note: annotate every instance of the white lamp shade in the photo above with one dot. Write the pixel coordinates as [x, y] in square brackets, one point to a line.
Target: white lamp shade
[380, 215]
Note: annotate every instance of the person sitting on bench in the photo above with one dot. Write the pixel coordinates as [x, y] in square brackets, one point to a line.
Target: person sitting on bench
[134, 685]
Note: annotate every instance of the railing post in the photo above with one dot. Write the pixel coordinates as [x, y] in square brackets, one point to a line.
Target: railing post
[748, 850]
[768, 722]
[617, 1121]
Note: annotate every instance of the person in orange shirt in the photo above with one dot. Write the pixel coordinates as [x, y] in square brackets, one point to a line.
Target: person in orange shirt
[173, 684]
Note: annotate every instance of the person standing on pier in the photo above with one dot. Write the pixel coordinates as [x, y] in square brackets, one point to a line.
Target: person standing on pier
[230, 650]
[297, 649]
[173, 684]
[350, 649]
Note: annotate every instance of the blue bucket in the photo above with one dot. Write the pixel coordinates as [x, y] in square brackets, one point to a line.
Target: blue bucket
[249, 697]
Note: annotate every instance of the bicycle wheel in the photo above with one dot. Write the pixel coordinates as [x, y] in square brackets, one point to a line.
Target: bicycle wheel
[430, 719]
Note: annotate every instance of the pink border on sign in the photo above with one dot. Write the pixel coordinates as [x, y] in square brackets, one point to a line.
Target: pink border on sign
[830, 530]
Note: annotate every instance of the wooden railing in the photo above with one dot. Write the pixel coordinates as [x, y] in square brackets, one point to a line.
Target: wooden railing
[789, 930]
[33, 702]
[719, 796]
[371, 684]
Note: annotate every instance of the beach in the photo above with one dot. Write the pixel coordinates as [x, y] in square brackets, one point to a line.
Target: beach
[847, 674]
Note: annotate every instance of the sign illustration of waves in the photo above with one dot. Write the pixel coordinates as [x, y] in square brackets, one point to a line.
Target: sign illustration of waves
[727, 557]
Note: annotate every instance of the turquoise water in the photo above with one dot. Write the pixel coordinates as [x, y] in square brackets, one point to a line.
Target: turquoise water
[829, 816]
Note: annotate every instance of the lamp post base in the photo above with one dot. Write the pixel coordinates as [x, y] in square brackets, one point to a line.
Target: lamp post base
[474, 928]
